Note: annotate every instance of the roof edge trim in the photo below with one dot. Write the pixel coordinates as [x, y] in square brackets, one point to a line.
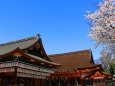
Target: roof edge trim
[98, 65]
[70, 52]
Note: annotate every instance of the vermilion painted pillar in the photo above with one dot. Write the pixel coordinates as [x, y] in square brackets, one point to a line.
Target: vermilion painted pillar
[81, 77]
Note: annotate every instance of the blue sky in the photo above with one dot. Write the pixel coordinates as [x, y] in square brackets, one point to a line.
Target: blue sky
[61, 23]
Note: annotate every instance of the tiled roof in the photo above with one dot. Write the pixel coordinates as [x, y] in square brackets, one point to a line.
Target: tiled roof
[74, 60]
[22, 44]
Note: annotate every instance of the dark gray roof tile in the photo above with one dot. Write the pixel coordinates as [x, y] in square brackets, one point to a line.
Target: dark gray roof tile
[22, 44]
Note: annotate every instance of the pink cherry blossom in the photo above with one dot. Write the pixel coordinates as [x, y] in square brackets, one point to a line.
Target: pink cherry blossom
[103, 27]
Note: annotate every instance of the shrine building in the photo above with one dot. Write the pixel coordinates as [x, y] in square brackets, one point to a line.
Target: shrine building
[77, 68]
[24, 63]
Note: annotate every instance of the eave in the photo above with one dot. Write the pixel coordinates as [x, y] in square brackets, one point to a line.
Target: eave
[32, 57]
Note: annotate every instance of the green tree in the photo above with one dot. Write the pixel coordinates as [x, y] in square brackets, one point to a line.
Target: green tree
[112, 68]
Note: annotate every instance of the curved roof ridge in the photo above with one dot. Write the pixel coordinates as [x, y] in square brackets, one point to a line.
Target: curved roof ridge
[70, 52]
[17, 41]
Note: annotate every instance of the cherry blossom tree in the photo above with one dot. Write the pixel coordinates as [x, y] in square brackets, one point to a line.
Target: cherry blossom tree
[102, 23]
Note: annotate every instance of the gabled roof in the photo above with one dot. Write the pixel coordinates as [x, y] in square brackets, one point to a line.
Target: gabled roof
[22, 44]
[74, 60]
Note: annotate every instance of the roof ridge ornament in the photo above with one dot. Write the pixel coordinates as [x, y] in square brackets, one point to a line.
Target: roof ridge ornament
[38, 35]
